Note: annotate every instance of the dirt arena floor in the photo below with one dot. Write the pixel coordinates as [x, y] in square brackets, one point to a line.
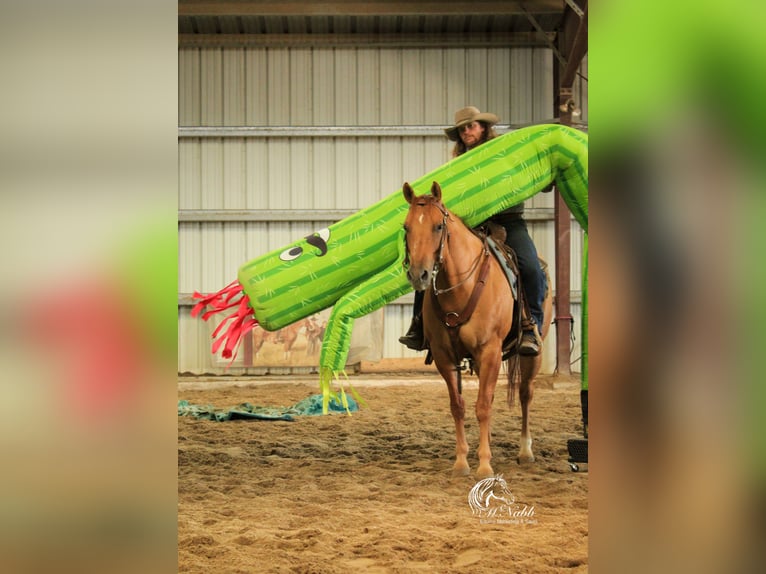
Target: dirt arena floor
[373, 492]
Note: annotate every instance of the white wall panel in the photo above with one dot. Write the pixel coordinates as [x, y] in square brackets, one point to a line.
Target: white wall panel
[522, 106]
[211, 258]
[476, 78]
[437, 151]
[542, 85]
[412, 93]
[455, 88]
[302, 181]
[211, 87]
[368, 172]
[346, 172]
[323, 82]
[368, 88]
[256, 94]
[391, 172]
[434, 88]
[189, 180]
[301, 88]
[189, 249]
[323, 174]
[234, 188]
[345, 81]
[257, 174]
[333, 87]
[234, 94]
[278, 182]
[188, 88]
[278, 87]
[498, 80]
[211, 174]
[413, 159]
[576, 256]
[391, 87]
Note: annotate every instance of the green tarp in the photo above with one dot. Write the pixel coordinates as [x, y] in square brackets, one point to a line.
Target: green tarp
[310, 406]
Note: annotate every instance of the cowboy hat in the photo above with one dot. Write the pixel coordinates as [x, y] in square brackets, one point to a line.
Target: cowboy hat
[466, 116]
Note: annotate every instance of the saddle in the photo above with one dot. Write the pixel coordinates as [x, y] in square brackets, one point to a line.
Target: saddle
[494, 235]
[506, 257]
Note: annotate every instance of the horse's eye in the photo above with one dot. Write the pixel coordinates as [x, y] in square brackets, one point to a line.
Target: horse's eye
[438, 227]
[406, 229]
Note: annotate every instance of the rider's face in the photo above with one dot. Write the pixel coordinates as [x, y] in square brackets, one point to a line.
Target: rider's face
[471, 134]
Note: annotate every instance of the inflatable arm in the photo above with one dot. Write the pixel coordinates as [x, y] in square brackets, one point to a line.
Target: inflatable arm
[355, 265]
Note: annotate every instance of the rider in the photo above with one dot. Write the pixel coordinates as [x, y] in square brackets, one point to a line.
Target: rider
[472, 128]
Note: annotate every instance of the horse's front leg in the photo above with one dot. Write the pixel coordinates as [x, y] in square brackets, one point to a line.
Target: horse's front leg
[457, 406]
[490, 368]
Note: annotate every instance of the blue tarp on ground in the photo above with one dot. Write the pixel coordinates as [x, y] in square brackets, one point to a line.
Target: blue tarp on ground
[309, 406]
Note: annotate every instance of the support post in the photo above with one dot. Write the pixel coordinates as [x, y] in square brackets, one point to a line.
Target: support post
[563, 230]
[572, 41]
[562, 310]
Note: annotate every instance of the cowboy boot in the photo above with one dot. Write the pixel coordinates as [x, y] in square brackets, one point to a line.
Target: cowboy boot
[414, 338]
[531, 342]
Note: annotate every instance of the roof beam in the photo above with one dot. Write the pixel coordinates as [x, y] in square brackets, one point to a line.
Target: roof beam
[577, 46]
[310, 215]
[550, 43]
[356, 8]
[261, 132]
[576, 7]
[518, 39]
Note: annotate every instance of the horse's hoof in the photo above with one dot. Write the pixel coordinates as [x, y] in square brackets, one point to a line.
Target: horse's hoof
[525, 458]
[485, 472]
[461, 471]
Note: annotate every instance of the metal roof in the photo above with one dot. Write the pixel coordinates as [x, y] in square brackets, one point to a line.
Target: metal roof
[377, 22]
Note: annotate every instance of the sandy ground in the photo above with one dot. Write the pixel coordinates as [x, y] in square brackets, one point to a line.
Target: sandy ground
[373, 492]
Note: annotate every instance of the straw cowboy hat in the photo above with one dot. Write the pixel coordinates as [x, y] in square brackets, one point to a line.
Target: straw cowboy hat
[466, 116]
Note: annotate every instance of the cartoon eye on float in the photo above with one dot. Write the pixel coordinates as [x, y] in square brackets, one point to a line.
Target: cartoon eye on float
[290, 254]
[318, 239]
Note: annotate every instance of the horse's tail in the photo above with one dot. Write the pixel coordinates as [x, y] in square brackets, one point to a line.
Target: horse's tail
[513, 369]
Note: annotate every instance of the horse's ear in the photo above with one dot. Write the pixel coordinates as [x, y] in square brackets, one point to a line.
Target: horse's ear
[409, 193]
[436, 190]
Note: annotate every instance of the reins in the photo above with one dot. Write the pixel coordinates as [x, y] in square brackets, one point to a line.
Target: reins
[436, 291]
[453, 319]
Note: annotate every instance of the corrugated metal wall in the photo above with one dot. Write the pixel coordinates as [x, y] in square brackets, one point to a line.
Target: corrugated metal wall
[332, 87]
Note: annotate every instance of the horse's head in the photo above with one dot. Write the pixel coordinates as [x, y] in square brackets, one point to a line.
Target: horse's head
[425, 229]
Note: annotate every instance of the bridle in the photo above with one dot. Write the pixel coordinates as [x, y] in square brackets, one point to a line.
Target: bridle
[439, 260]
[443, 239]
[452, 319]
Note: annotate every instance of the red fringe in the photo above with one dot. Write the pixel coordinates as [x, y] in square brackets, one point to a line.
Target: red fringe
[241, 321]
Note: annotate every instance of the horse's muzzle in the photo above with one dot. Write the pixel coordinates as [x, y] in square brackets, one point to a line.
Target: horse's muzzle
[419, 278]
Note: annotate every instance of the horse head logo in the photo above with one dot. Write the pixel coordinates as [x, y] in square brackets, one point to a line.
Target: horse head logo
[490, 496]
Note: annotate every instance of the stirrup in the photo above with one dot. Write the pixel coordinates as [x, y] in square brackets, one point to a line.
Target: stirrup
[414, 338]
[531, 341]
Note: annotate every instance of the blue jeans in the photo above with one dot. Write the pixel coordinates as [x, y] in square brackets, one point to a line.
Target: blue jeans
[532, 276]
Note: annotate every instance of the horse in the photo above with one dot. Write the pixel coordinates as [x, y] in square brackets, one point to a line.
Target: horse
[454, 266]
[288, 335]
[261, 336]
[314, 335]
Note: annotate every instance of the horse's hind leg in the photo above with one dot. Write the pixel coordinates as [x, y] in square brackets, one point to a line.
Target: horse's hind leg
[529, 368]
[457, 406]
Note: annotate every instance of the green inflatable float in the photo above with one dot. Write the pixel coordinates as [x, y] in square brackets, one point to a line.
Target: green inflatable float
[355, 265]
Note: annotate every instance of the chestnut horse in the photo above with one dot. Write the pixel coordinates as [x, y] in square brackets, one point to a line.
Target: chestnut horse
[447, 260]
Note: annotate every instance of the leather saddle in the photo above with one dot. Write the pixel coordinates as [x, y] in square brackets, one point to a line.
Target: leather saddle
[506, 257]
